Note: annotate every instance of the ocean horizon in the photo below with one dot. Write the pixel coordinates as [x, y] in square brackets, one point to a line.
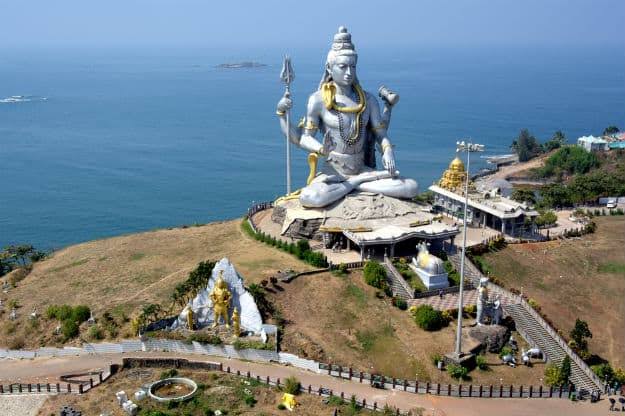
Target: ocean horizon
[101, 142]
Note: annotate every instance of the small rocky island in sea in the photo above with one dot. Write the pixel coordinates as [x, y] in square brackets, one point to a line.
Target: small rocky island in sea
[236, 65]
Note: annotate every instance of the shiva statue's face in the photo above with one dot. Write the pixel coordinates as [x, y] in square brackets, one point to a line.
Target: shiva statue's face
[343, 70]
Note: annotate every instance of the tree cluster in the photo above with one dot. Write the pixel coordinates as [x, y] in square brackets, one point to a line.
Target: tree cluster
[582, 189]
[579, 338]
[526, 146]
[558, 375]
[524, 195]
[70, 318]
[569, 160]
[197, 280]
[20, 255]
[546, 218]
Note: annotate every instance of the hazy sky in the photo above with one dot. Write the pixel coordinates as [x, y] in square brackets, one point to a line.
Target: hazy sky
[290, 23]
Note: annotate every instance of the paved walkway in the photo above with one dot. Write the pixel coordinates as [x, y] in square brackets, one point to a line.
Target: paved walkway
[41, 369]
[448, 301]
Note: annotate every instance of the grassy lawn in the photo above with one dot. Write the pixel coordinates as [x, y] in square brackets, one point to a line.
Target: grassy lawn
[577, 278]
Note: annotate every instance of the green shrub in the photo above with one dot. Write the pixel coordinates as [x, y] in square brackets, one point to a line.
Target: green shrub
[95, 332]
[239, 344]
[457, 371]
[375, 274]
[480, 362]
[505, 351]
[436, 357]
[205, 338]
[553, 375]
[534, 304]
[172, 372]
[281, 406]
[400, 303]
[51, 311]
[428, 318]
[63, 312]
[250, 400]
[69, 329]
[315, 259]
[80, 313]
[604, 371]
[470, 310]
[292, 385]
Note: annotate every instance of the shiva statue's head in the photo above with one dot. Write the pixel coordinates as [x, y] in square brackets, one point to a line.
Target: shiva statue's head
[341, 61]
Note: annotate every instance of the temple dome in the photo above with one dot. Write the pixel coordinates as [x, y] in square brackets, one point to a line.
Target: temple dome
[456, 165]
[454, 176]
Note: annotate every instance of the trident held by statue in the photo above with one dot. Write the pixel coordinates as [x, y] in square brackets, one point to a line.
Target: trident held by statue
[287, 75]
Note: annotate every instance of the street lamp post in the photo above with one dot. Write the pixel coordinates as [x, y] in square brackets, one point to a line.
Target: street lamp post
[469, 148]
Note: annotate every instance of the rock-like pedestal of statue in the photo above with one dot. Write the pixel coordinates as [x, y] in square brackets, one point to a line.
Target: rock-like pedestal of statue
[203, 309]
[356, 211]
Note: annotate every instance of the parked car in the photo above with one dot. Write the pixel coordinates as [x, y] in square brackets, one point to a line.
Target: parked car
[611, 204]
[377, 382]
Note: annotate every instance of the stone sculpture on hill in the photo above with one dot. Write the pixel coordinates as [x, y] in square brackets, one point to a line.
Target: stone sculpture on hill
[224, 284]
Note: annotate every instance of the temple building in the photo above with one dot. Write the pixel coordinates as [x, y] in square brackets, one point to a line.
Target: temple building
[487, 206]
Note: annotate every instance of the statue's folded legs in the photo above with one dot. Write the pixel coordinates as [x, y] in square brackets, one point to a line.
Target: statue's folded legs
[394, 187]
[323, 192]
[320, 194]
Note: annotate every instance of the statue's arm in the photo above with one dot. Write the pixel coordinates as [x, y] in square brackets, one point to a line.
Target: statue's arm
[379, 127]
[311, 125]
[294, 131]
[377, 123]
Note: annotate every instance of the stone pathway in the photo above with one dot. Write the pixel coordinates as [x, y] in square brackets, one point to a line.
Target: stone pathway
[447, 302]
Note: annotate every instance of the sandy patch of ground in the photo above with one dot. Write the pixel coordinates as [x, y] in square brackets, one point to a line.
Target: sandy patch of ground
[22, 404]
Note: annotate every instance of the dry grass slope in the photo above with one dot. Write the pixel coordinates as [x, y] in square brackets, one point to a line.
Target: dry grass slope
[340, 320]
[128, 271]
[579, 278]
[330, 318]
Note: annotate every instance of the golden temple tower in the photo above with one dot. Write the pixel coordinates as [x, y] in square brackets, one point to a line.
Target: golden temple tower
[454, 177]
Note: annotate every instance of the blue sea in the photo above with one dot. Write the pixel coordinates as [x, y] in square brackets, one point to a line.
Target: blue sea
[105, 142]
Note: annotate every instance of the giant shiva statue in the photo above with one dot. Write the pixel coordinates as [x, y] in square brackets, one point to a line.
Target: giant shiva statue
[351, 123]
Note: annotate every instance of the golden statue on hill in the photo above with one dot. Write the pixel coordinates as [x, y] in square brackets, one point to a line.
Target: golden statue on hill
[236, 323]
[221, 297]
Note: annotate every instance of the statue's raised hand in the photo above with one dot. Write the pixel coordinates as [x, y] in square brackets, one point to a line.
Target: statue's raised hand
[285, 103]
[328, 144]
[388, 160]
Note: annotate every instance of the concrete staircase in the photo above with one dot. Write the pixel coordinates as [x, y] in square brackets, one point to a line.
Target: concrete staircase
[399, 286]
[471, 273]
[532, 327]
[536, 335]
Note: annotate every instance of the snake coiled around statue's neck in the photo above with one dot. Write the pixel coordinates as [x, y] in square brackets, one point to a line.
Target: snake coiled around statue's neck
[328, 93]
